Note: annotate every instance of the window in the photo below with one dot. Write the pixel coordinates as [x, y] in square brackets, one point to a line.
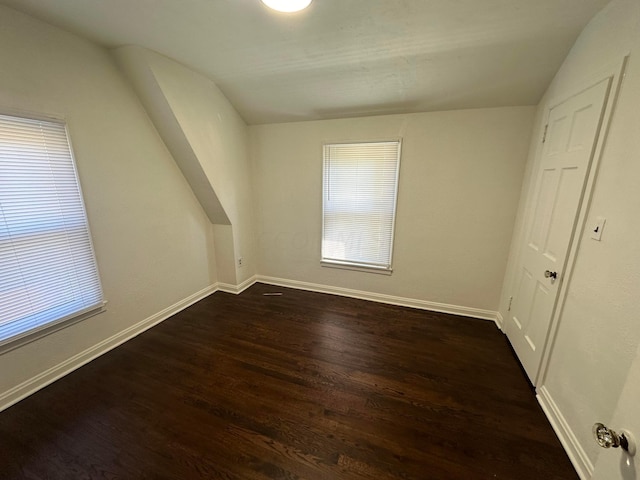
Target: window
[48, 273]
[360, 184]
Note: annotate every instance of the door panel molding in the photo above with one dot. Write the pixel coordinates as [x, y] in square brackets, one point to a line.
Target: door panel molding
[551, 210]
[615, 79]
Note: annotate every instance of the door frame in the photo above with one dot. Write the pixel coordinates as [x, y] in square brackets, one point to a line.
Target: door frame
[616, 80]
[531, 359]
[615, 72]
[615, 75]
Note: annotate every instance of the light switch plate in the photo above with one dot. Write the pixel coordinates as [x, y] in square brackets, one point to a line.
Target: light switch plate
[597, 227]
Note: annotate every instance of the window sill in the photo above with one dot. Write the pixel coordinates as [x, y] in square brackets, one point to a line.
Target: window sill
[357, 267]
[32, 335]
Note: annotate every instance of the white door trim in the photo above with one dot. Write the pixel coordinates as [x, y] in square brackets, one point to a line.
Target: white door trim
[534, 297]
[614, 71]
[616, 79]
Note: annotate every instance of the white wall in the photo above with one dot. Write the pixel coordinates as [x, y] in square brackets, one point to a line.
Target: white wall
[218, 137]
[135, 64]
[617, 463]
[208, 139]
[460, 178]
[153, 241]
[598, 327]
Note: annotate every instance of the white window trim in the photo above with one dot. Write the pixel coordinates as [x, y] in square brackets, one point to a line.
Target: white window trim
[20, 340]
[34, 334]
[355, 266]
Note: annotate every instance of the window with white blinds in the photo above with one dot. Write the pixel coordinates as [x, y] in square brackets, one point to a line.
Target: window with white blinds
[360, 184]
[48, 272]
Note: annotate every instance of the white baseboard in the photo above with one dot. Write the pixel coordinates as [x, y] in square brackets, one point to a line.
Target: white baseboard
[236, 289]
[577, 455]
[500, 321]
[382, 298]
[40, 381]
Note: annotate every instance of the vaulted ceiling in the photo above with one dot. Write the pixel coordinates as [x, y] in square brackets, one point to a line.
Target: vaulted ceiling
[344, 58]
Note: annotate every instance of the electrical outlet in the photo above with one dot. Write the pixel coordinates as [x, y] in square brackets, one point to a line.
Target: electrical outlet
[240, 261]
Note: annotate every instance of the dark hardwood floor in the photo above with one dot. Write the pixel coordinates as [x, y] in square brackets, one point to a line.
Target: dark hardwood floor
[298, 386]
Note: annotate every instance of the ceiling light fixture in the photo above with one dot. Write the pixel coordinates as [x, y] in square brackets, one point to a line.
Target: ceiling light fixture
[287, 6]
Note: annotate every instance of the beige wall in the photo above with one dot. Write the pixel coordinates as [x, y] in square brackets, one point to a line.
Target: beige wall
[153, 241]
[208, 140]
[135, 63]
[460, 178]
[218, 137]
[598, 327]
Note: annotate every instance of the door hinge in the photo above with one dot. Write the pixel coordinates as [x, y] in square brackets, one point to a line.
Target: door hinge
[510, 302]
[544, 135]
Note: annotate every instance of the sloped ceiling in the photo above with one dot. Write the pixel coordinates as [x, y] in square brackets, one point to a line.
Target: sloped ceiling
[135, 62]
[343, 58]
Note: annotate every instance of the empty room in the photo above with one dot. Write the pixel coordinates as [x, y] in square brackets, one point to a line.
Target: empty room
[319, 239]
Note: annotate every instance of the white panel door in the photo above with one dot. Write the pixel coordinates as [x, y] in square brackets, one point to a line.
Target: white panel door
[553, 206]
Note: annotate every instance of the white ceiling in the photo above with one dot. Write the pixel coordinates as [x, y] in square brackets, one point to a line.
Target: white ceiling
[344, 58]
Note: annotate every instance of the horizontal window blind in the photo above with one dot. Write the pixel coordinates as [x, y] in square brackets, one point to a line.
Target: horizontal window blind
[48, 272]
[360, 184]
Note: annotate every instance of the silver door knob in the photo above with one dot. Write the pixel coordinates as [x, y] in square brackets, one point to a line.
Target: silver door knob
[608, 438]
[549, 274]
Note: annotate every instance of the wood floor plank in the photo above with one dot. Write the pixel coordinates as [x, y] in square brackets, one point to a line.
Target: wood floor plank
[299, 386]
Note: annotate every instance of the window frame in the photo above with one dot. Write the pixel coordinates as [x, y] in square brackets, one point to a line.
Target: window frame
[29, 335]
[354, 265]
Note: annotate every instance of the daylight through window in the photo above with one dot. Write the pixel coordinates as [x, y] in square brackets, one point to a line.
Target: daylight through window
[360, 183]
[48, 273]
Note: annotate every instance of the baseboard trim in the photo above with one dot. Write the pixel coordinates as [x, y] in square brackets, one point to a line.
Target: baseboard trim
[23, 390]
[382, 298]
[500, 321]
[236, 289]
[565, 434]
